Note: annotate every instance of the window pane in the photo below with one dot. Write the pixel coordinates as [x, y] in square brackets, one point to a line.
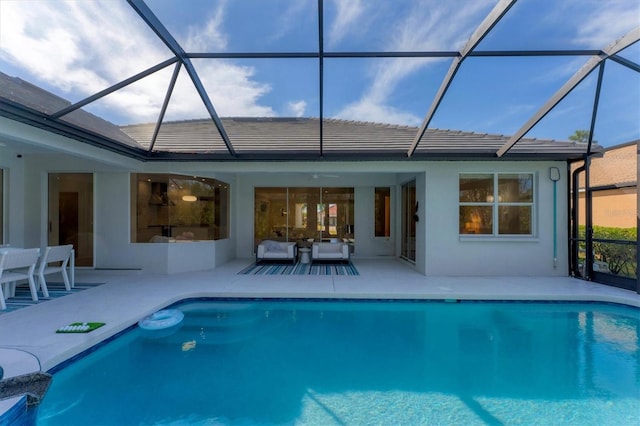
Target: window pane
[301, 213]
[172, 208]
[476, 188]
[382, 209]
[476, 220]
[337, 212]
[514, 220]
[515, 188]
[270, 214]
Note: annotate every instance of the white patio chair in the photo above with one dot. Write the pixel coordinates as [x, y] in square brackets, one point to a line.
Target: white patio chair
[54, 254]
[20, 265]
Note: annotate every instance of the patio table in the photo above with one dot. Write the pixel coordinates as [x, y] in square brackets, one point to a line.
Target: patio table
[304, 254]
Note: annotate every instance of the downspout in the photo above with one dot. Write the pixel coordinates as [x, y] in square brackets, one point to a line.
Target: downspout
[588, 232]
[574, 220]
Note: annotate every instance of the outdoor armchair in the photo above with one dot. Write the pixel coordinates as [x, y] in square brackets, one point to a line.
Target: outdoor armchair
[19, 264]
[276, 250]
[330, 251]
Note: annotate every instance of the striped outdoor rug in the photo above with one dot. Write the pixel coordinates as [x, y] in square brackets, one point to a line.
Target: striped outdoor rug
[300, 269]
[22, 298]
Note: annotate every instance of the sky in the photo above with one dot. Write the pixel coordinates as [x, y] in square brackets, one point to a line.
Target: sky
[77, 48]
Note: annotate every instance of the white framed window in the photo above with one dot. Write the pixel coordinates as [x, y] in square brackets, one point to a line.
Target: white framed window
[497, 204]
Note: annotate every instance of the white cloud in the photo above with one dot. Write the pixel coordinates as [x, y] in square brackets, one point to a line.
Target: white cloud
[291, 17]
[607, 22]
[437, 25]
[428, 25]
[82, 47]
[233, 90]
[230, 88]
[297, 109]
[371, 110]
[210, 37]
[347, 13]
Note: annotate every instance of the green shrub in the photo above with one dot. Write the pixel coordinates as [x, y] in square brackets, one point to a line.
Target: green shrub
[621, 258]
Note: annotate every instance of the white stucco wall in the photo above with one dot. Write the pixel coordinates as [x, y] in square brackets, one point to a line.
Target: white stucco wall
[440, 249]
[448, 253]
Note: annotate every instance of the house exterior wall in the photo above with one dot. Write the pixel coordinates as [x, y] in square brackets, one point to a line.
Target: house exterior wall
[439, 247]
[615, 208]
[448, 253]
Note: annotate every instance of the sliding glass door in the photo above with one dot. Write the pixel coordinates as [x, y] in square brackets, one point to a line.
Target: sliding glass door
[409, 218]
[301, 214]
[335, 214]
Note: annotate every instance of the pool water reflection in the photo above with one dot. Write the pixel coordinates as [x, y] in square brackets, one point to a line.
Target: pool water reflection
[345, 362]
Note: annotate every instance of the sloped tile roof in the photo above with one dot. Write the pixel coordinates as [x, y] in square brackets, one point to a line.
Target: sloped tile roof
[34, 97]
[287, 137]
[301, 135]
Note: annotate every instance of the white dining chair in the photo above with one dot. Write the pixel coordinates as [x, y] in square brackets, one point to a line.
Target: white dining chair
[49, 264]
[20, 265]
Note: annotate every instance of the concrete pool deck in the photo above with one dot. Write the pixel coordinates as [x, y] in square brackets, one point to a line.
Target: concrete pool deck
[28, 338]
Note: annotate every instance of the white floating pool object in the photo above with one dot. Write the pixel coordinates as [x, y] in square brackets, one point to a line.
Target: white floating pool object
[160, 320]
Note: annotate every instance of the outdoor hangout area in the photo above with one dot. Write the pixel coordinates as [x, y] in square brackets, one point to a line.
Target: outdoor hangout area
[212, 182]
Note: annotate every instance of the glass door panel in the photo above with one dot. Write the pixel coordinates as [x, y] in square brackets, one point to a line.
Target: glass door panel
[303, 214]
[303, 223]
[335, 214]
[271, 215]
[409, 208]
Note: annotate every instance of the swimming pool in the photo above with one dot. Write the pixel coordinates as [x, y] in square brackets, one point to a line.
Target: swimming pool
[347, 362]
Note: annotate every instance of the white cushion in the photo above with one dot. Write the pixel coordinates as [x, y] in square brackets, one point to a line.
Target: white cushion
[270, 245]
[330, 248]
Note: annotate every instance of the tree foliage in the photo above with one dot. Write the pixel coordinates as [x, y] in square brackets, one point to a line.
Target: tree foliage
[580, 136]
[620, 257]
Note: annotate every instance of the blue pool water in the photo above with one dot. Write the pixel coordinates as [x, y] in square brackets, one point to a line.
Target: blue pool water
[306, 362]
